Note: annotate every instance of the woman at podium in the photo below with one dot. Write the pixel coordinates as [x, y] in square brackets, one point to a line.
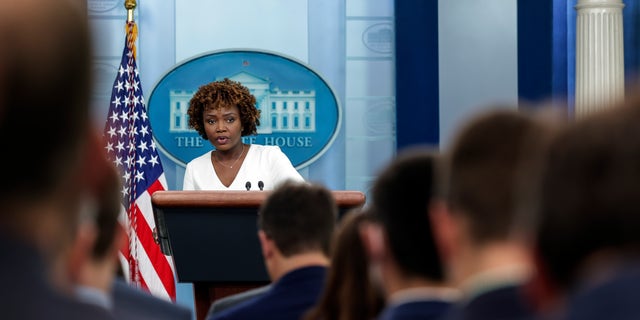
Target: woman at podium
[223, 112]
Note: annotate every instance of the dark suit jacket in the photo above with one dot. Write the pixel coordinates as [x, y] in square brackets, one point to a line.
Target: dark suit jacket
[616, 298]
[502, 303]
[289, 298]
[26, 292]
[235, 299]
[426, 310]
[132, 303]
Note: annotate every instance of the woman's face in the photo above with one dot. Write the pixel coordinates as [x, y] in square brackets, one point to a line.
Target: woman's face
[223, 127]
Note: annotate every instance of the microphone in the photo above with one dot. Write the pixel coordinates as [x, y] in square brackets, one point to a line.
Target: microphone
[260, 185]
[248, 185]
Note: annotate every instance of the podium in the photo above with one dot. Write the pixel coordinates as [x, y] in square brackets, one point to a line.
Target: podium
[212, 236]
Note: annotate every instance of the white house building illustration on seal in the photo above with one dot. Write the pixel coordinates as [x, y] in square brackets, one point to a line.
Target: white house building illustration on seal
[282, 111]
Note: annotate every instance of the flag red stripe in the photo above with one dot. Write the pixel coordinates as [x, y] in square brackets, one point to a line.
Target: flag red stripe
[157, 258]
[143, 284]
[155, 186]
[125, 248]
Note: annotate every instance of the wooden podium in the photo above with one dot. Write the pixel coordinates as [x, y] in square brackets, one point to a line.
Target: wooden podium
[212, 236]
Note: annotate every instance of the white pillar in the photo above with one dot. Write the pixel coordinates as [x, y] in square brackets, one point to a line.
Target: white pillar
[599, 55]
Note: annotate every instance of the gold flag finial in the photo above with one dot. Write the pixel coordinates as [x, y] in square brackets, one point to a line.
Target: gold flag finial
[130, 5]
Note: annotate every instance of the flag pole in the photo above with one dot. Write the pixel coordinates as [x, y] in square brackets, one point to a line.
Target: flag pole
[132, 30]
[130, 5]
[134, 268]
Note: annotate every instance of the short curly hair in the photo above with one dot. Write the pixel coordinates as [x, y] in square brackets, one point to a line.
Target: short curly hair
[221, 93]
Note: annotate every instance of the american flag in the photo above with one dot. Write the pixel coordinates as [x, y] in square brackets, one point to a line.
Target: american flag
[129, 144]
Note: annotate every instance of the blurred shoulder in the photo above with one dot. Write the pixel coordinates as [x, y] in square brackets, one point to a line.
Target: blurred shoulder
[133, 303]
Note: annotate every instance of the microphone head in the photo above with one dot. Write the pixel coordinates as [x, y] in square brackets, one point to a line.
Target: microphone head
[260, 184]
[248, 185]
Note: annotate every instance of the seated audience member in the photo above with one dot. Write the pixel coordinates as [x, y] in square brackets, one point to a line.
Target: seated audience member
[587, 240]
[349, 292]
[134, 303]
[45, 80]
[400, 245]
[88, 271]
[296, 224]
[96, 275]
[475, 222]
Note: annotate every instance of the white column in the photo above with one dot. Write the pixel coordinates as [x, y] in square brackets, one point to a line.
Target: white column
[599, 55]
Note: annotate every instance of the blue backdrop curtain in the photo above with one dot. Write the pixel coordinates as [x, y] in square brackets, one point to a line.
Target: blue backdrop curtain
[631, 16]
[417, 97]
[544, 53]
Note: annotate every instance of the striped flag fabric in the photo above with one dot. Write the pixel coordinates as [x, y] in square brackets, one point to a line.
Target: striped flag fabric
[129, 144]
